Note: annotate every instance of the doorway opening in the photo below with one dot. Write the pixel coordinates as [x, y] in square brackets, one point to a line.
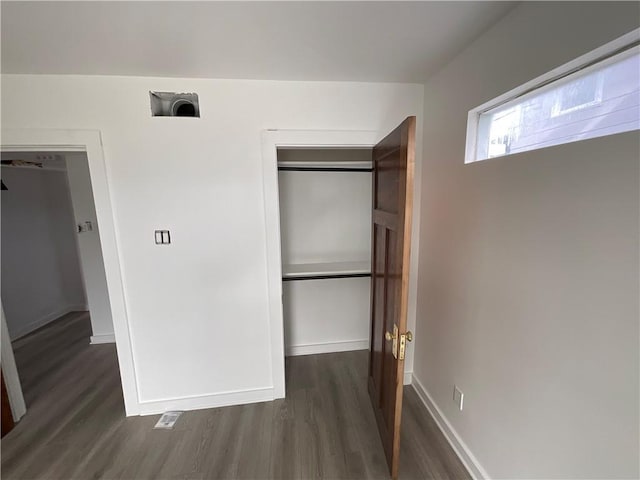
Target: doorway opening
[325, 225]
[325, 200]
[54, 289]
[320, 228]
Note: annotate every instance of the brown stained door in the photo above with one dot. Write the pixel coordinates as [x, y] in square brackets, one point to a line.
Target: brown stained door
[7, 416]
[393, 162]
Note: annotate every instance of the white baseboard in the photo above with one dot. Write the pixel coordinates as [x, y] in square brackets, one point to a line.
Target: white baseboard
[330, 347]
[408, 378]
[104, 338]
[48, 318]
[458, 445]
[152, 407]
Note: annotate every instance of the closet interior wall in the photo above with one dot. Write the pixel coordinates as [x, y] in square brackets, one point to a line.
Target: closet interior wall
[325, 217]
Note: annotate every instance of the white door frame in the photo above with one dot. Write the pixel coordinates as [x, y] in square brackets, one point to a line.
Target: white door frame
[271, 140]
[90, 141]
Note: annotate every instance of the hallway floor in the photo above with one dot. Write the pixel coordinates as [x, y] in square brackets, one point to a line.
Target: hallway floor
[75, 426]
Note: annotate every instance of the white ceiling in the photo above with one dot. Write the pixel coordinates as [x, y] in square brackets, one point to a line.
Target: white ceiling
[354, 41]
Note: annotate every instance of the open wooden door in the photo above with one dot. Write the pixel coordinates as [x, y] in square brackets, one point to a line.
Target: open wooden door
[7, 415]
[393, 162]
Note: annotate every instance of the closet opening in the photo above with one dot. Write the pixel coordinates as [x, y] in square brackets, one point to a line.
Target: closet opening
[325, 197]
[337, 204]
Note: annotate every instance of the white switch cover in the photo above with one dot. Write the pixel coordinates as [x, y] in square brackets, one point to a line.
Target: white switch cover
[458, 397]
[85, 227]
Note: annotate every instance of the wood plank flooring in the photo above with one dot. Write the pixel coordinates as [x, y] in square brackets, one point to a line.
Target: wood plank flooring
[75, 426]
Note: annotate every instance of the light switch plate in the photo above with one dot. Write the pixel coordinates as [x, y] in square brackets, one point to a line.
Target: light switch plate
[163, 237]
[85, 227]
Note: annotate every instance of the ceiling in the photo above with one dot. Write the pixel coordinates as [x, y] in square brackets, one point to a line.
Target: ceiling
[350, 41]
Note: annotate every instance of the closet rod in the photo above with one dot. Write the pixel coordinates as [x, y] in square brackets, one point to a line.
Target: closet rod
[324, 169]
[324, 277]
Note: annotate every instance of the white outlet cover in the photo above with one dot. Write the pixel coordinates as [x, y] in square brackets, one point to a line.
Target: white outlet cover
[458, 397]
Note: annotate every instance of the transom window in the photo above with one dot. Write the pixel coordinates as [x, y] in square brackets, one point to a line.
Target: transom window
[595, 95]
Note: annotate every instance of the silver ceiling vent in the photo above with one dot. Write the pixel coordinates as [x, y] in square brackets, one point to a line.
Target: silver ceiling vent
[171, 104]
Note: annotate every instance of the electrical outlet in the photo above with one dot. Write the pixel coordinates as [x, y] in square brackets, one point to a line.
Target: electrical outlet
[458, 397]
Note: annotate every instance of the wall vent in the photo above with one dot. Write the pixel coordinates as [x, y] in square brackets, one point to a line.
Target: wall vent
[171, 104]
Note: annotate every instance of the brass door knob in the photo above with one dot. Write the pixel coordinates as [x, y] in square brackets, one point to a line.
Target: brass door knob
[388, 336]
[409, 336]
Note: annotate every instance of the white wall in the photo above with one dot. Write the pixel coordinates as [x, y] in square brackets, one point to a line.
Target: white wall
[528, 284]
[197, 309]
[41, 277]
[322, 316]
[91, 260]
[325, 216]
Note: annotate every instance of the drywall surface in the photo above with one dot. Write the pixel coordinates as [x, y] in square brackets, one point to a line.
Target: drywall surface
[41, 277]
[322, 316]
[197, 308]
[528, 284]
[92, 263]
[325, 216]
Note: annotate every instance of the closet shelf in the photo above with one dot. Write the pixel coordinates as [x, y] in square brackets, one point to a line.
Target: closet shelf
[316, 271]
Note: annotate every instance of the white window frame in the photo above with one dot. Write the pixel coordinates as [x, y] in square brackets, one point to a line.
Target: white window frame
[595, 59]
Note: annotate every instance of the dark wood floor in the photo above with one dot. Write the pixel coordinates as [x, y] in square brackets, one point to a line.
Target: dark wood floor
[75, 425]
